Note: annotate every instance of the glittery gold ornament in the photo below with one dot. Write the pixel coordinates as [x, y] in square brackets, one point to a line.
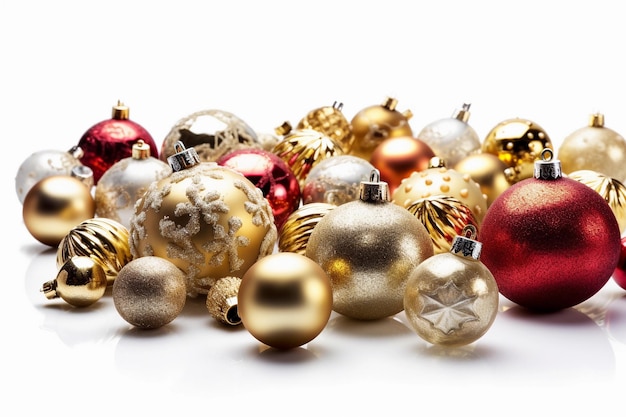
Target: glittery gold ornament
[444, 217]
[221, 301]
[368, 247]
[439, 180]
[452, 298]
[491, 174]
[330, 121]
[295, 233]
[374, 124]
[304, 149]
[149, 292]
[212, 133]
[595, 148]
[518, 143]
[612, 190]
[80, 282]
[285, 300]
[207, 219]
[104, 240]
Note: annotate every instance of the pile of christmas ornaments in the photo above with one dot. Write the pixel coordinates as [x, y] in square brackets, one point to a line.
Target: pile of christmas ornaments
[363, 217]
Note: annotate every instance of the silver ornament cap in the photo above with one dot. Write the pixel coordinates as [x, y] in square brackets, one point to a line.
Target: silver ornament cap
[548, 168]
[465, 245]
[374, 190]
[184, 158]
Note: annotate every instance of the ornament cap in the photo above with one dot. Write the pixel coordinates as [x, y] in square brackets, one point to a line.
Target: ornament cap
[49, 289]
[337, 105]
[463, 114]
[184, 158]
[466, 245]
[84, 174]
[222, 300]
[546, 168]
[141, 150]
[374, 190]
[120, 111]
[596, 120]
[390, 103]
[283, 129]
[436, 162]
[76, 151]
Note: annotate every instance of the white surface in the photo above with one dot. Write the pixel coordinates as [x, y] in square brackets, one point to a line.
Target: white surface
[64, 66]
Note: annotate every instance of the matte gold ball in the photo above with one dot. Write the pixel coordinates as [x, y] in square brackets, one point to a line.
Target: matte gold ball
[285, 300]
[149, 292]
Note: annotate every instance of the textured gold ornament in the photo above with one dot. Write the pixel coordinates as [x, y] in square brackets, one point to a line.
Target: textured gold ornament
[594, 148]
[295, 232]
[491, 174]
[285, 300]
[149, 292]
[518, 143]
[612, 190]
[444, 217]
[221, 301]
[330, 121]
[80, 282]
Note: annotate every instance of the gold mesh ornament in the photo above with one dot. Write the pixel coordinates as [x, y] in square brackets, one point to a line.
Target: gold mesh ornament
[330, 121]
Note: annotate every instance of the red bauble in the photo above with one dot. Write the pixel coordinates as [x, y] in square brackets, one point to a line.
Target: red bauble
[619, 275]
[112, 140]
[550, 244]
[271, 175]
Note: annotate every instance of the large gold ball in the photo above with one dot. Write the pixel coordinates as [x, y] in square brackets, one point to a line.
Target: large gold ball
[209, 220]
[54, 206]
[285, 300]
[488, 171]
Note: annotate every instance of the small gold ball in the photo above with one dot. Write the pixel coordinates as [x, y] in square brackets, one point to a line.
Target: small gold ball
[80, 282]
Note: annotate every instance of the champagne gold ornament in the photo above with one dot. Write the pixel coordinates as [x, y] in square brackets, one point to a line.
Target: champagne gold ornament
[80, 282]
[285, 300]
[149, 292]
[295, 233]
[330, 121]
[488, 171]
[451, 298]
[368, 247]
[594, 148]
[209, 220]
[518, 143]
[612, 190]
[104, 240]
[374, 124]
[221, 301]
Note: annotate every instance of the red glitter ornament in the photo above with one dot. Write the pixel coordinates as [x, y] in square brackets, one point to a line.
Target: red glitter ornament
[619, 275]
[112, 140]
[550, 243]
[271, 175]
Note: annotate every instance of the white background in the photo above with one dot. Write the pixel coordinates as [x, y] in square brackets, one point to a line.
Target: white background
[65, 64]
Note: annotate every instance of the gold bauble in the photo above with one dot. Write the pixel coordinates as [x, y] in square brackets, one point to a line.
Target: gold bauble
[488, 171]
[330, 121]
[104, 240]
[285, 300]
[440, 180]
[80, 282]
[295, 232]
[612, 190]
[221, 301]
[54, 206]
[374, 124]
[303, 149]
[594, 148]
[368, 247]
[518, 143]
[444, 217]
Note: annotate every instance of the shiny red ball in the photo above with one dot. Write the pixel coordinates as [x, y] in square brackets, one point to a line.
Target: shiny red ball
[550, 244]
[271, 175]
[619, 275]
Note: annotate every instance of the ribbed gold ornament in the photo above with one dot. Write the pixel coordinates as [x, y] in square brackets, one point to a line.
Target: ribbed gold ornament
[296, 230]
[330, 121]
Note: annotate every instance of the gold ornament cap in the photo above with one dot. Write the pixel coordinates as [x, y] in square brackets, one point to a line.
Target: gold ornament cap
[463, 113]
[141, 150]
[184, 158]
[374, 190]
[465, 245]
[596, 120]
[222, 300]
[120, 111]
[548, 168]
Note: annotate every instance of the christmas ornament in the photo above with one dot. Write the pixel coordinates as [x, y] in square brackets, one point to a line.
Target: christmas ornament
[295, 233]
[518, 143]
[221, 300]
[444, 217]
[398, 157]
[451, 298]
[111, 140]
[330, 121]
[619, 275]
[368, 247]
[80, 282]
[439, 180]
[336, 180]
[491, 174]
[43, 164]
[303, 149]
[54, 206]
[612, 190]
[126, 181]
[374, 124]
[551, 242]
[211, 133]
[103, 240]
[271, 175]
[452, 138]
[149, 292]
[285, 300]
[207, 219]
[594, 148]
